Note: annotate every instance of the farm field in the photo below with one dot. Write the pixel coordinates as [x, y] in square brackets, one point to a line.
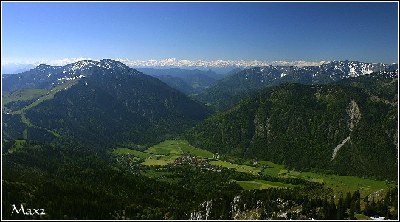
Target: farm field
[262, 184]
[167, 152]
[238, 167]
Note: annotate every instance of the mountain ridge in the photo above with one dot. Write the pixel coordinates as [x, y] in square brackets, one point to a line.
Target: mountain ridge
[227, 91]
[104, 98]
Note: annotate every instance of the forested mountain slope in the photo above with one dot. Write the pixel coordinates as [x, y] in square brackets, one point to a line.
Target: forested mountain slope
[102, 102]
[349, 128]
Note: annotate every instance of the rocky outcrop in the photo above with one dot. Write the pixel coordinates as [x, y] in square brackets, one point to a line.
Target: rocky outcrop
[354, 119]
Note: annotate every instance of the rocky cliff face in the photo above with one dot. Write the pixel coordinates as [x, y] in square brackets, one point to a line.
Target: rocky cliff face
[354, 117]
[325, 126]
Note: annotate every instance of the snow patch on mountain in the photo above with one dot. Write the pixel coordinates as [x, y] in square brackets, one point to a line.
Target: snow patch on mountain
[173, 62]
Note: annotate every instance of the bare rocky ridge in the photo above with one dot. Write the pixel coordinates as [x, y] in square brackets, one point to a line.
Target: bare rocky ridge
[355, 116]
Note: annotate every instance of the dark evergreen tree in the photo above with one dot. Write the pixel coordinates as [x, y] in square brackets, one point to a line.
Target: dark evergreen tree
[356, 199]
[340, 209]
[347, 200]
[351, 211]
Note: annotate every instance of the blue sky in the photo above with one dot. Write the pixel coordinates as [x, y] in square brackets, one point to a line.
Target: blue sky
[230, 31]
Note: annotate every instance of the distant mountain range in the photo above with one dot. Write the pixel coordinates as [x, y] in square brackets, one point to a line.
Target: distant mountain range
[220, 63]
[195, 81]
[229, 90]
[185, 80]
[16, 68]
[220, 66]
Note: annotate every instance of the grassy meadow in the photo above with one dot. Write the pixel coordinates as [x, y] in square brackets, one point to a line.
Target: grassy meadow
[168, 151]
